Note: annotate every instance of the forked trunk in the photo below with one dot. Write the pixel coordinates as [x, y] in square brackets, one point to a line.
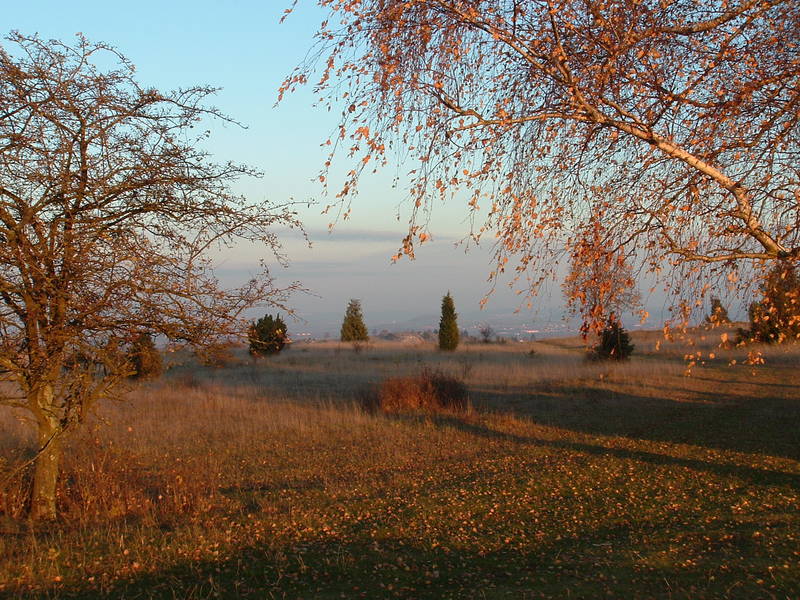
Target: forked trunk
[48, 463]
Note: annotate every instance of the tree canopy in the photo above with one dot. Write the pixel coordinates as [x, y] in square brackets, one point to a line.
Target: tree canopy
[108, 206]
[674, 121]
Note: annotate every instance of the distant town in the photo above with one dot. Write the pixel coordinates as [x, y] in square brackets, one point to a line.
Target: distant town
[505, 327]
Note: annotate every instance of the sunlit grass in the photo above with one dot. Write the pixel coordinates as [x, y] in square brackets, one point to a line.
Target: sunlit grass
[570, 479]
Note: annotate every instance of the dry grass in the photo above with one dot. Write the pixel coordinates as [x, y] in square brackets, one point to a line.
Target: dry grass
[267, 479]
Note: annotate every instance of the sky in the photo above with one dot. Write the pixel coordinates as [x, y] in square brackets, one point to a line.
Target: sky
[240, 47]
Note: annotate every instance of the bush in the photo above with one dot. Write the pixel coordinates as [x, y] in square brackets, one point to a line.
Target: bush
[776, 318]
[430, 391]
[614, 343]
[267, 336]
[144, 358]
[217, 356]
[718, 314]
[353, 327]
[448, 325]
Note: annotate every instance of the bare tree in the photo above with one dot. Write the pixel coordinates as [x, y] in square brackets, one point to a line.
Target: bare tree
[108, 207]
[679, 118]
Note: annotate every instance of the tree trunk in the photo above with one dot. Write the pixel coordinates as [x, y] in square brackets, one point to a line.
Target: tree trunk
[48, 463]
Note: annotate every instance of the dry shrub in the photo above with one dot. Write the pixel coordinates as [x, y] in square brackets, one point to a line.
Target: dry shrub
[217, 356]
[429, 391]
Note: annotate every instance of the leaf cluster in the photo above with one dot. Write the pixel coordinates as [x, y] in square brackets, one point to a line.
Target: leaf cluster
[677, 120]
[718, 314]
[776, 317]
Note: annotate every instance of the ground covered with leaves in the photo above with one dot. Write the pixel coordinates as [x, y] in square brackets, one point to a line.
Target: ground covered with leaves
[582, 482]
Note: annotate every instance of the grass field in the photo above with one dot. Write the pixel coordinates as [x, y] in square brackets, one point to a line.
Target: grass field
[566, 479]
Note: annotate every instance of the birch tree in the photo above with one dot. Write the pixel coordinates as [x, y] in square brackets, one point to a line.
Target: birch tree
[676, 119]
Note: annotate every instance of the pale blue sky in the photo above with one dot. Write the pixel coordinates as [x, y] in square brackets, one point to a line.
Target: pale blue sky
[240, 47]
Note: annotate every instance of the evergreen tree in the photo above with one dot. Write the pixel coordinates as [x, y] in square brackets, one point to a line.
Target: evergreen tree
[144, 358]
[719, 314]
[448, 325]
[353, 328]
[615, 342]
[267, 336]
[776, 318]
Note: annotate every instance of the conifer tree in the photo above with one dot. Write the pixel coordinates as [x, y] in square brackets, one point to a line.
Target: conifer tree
[353, 327]
[614, 342]
[448, 325]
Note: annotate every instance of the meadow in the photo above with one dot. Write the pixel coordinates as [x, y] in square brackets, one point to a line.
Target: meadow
[565, 479]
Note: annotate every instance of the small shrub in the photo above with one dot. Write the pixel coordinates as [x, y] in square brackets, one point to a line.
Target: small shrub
[267, 336]
[217, 356]
[430, 391]
[144, 358]
[718, 315]
[614, 343]
[776, 317]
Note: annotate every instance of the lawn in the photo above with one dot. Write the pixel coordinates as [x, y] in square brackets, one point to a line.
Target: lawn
[567, 479]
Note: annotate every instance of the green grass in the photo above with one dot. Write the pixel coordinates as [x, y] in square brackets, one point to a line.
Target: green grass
[569, 480]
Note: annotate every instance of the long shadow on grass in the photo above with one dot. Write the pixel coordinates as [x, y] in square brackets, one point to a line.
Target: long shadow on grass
[768, 424]
[618, 561]
[751, 474]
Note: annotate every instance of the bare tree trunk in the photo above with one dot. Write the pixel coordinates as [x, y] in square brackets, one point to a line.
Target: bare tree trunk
[48, 463]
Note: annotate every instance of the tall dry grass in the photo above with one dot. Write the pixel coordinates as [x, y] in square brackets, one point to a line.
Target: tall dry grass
[169, 446]
[180, 464]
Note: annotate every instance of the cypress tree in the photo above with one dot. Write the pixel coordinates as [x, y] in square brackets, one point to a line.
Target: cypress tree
[353, 328]
[448, 325]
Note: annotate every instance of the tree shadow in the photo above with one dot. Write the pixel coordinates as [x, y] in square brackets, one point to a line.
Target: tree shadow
[622, 560]
[751, 474]
[768, 423]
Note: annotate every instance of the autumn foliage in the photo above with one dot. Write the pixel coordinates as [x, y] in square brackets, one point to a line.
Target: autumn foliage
[600, 282]
[144, 358]
[676, 121]
[775, 318]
